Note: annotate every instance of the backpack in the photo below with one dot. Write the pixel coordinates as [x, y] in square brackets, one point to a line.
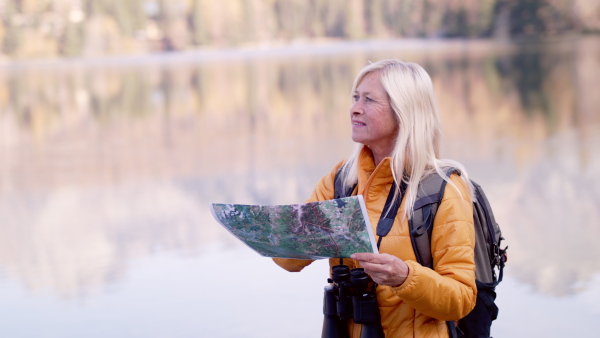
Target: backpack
[489, 257]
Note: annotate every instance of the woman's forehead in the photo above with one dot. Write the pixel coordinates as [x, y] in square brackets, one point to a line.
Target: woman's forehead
[370, 82]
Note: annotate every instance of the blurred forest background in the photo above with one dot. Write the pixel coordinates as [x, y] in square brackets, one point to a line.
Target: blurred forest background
[40, 29]
[121, 120]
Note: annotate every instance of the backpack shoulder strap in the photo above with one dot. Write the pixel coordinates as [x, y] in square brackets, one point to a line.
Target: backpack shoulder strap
[338, 186]
[429, 195]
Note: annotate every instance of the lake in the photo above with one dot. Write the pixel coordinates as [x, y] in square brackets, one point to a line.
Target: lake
[108, 166]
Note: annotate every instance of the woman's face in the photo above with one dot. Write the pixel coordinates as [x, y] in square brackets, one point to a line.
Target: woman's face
[373, 120]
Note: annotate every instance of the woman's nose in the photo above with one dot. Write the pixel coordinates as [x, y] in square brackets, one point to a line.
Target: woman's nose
[356, 109]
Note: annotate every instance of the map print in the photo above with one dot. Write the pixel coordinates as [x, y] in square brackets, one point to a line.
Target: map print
[326, 229]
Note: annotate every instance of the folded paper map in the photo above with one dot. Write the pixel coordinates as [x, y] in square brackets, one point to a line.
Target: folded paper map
[326, 229]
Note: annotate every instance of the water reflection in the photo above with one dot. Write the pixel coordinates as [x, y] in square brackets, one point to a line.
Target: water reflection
[103, 164]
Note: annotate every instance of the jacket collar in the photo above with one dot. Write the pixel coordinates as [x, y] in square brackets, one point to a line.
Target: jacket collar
[371, 175]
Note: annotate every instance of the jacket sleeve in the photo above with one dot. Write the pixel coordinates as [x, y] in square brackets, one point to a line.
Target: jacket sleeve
[449, 291]
[322, 192]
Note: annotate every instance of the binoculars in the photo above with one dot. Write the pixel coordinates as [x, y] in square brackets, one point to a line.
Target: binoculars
[347, 296]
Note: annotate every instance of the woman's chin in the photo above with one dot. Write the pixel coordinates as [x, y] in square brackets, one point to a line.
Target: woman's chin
[358, 139]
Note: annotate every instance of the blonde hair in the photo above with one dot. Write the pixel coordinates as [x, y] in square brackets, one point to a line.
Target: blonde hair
[416, 152]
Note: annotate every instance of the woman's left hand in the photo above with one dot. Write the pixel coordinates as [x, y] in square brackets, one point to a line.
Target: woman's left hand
[384, 269]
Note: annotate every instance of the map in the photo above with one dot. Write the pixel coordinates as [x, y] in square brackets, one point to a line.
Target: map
[328, 229]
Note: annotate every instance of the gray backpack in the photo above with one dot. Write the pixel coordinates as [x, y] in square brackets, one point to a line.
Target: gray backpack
[489, 256]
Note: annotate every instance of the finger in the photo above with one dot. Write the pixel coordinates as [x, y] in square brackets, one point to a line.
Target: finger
[375, 268]
[373, 258]
[363, 256]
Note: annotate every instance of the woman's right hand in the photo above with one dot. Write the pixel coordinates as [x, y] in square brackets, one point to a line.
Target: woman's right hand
[384, 269]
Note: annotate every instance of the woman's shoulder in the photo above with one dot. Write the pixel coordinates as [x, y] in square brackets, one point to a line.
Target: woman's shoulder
[455, 204]
[324, 190]
[459, 188]
[431, 180]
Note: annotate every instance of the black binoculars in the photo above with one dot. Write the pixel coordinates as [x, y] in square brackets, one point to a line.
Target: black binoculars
[348, 296]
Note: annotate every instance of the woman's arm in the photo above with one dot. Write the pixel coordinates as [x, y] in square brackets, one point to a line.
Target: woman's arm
[449, 291]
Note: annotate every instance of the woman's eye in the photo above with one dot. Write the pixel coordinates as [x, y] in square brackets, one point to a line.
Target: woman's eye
[354, 98]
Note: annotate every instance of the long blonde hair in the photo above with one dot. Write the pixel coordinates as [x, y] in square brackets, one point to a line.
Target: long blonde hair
[416, 152]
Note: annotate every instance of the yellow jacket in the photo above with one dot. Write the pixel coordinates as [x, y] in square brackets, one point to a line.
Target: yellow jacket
[421, 305]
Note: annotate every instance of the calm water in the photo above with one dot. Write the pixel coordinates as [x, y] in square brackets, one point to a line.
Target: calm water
[107, 168]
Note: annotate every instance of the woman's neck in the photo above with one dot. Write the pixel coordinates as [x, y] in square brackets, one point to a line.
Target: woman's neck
[379, 155]
[378, 159]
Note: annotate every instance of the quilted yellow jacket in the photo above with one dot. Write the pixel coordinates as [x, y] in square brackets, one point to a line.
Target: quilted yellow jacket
[421, 305]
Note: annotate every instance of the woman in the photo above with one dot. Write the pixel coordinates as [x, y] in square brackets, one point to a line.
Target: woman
[396, 125]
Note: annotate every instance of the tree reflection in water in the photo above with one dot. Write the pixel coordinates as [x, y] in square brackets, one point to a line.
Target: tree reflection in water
[105, 163]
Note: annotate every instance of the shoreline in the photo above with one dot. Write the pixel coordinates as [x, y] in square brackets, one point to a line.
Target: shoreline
[294, 49]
